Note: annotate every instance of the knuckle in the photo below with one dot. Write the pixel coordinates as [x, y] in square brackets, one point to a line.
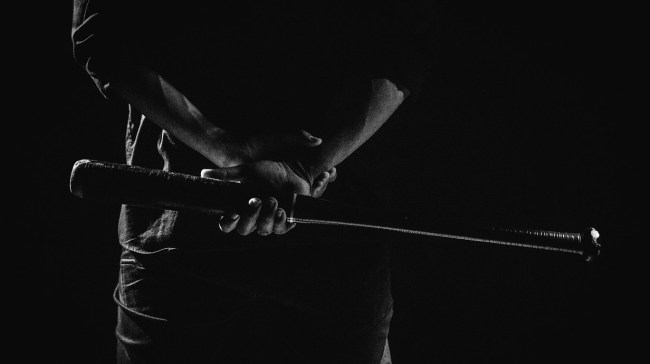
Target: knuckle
[270, 204]
[279, 229]
[245, 230]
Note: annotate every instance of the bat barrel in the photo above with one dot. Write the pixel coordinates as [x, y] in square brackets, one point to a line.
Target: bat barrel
[584, 243]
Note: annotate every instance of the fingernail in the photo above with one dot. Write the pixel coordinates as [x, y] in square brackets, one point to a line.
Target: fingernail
[234, 216]
[279, 214]
[254, 202]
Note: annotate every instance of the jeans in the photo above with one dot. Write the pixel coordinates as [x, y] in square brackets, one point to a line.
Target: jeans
[196, 308]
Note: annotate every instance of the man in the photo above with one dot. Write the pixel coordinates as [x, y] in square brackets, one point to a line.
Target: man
[230, 92]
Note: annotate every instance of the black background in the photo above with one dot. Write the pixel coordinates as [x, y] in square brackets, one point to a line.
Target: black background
[509, 129]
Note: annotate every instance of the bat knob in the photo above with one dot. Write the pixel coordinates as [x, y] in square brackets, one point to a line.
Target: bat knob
[591, 247]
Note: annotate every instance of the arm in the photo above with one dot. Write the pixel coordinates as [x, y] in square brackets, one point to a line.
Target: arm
[299, 176]
[101, 35]
[156, 98]
[394, 55]
[383, 100]
[102, 39]
[148, 92]
[384, 65]
[303, 174]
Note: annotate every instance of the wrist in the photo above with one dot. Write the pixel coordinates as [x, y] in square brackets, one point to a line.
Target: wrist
[227, 149]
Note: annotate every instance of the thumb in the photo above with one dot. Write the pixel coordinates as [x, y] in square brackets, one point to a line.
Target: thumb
[228, 174]
[302, 138]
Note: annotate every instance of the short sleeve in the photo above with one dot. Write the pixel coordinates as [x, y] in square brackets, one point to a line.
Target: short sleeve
[100, 39]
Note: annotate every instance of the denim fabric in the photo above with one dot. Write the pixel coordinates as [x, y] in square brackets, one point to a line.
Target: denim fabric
[175, 308]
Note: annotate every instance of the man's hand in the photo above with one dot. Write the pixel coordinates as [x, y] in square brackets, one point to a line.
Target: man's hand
[241, 149]
[269, 177]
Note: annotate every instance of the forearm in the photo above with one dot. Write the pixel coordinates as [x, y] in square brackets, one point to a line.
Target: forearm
[152, 95]
[382, 102]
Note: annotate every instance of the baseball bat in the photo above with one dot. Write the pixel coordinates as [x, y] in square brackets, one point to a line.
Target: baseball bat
[127, 184]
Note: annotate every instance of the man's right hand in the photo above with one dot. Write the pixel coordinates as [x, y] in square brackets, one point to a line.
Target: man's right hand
[264, 216]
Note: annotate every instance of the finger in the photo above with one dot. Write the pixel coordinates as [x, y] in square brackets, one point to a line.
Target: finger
[320, 184]
[266, 217]
[231, 173]
[322, 178]
[228, 222]
[310, 139]
[280, 224]
[303, 138]
[328, 176]
[318, 189]
[333, 174]
[248, 220]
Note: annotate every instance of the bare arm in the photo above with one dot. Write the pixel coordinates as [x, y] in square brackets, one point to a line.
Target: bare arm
[302, 173]
[156, 98]
[299, 176]
[103, 43]
[382, 102]
[152, 95]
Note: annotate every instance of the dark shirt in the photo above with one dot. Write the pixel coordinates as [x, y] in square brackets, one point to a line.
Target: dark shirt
[248, 66]
[255, 66]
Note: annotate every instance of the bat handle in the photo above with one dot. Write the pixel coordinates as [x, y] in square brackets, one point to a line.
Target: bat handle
[139, 186]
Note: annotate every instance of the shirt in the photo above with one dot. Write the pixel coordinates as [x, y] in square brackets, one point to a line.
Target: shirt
[247, 65]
